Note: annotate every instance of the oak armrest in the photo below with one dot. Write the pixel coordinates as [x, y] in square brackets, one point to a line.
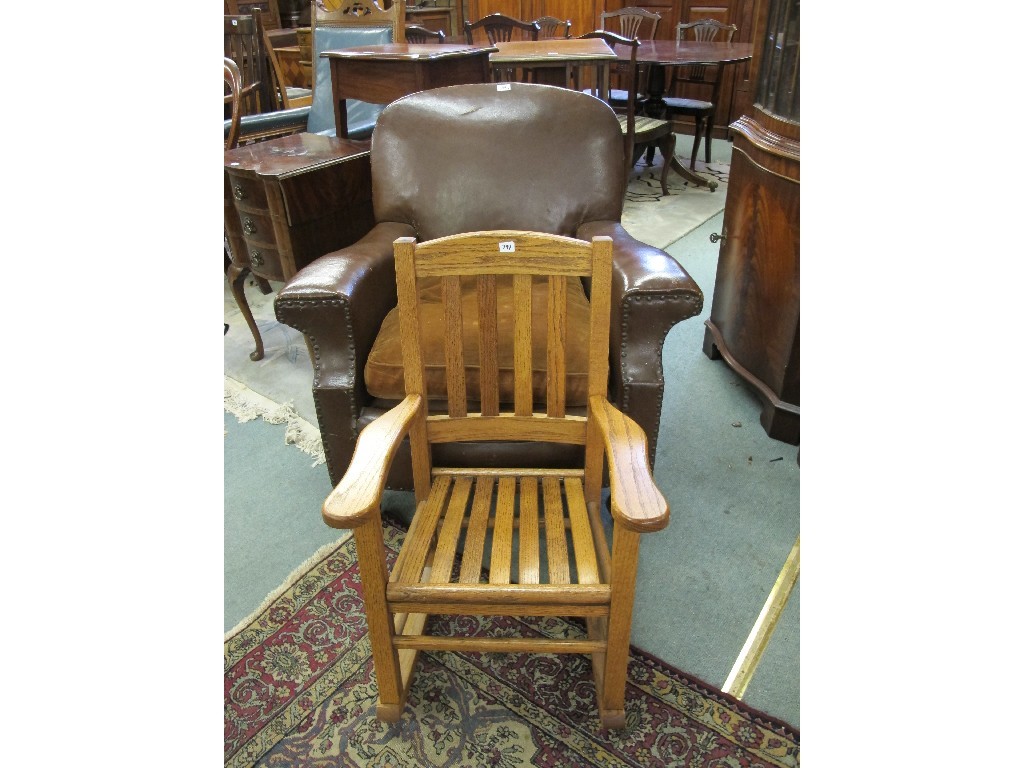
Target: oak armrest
[636, 502]
[357, 496]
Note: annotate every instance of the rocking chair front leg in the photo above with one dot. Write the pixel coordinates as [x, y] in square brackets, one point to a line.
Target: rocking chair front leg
[374, 575]
[612, 692]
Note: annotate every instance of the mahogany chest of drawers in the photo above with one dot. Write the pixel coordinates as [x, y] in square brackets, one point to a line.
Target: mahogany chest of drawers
[289, 201]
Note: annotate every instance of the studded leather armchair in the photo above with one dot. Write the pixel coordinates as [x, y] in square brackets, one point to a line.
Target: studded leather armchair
[476, 157]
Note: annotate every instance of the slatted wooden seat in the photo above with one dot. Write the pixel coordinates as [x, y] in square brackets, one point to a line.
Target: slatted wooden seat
[527, 541]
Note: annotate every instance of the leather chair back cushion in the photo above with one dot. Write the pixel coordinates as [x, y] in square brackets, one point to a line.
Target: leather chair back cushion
[383, 372]
[361, 116]
[467, 158]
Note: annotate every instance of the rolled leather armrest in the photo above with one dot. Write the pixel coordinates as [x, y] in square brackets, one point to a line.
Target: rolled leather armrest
[339, 302]
[651, 292]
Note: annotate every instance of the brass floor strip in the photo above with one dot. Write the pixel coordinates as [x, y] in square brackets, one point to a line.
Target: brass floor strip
[750, 656]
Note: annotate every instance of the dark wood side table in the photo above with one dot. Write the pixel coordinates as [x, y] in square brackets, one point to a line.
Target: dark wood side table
[379, 74]
[289, 201]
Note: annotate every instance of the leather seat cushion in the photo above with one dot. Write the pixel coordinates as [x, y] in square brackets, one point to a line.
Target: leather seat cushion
[383, 372]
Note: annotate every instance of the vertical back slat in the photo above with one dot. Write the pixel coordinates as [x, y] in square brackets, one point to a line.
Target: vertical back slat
[448, 538]
[455, 368]
[408, 317]
[554, 532]
[529, 546]
[412, 360]
[501, 548]
[522, 325]
[600, 317]
[556, 346]
[597, 371]
[473, 555]
[487, 308]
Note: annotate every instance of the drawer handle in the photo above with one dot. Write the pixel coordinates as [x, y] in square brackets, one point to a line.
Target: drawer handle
[239, 192]
[256, 259]
[249, 226]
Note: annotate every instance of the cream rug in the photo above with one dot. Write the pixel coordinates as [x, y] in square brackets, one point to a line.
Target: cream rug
[279, 387]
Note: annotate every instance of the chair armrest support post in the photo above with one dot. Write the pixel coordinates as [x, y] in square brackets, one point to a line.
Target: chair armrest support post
[636, 502]
[651, 292]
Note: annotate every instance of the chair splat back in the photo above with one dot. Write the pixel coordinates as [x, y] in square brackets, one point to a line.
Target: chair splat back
[552, 27]
[338, 24]
[705, 30]
[631, 22]
[243, 44]
[485, 259]
[501, 29]
[416, 34]
[708, 77]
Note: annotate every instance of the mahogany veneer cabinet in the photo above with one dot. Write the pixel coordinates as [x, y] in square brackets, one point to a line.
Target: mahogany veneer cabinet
[755, 313]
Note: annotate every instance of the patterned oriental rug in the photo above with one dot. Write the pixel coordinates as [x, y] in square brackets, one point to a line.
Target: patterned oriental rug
[299, 691]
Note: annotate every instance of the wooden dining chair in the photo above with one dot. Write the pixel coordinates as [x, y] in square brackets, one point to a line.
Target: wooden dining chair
[500, 29]
[705, 76]
[414, 33]
[551, 27]
[285, 96]
[502, 287]
[232, 101]
[244, 44]
[631, 22]
[639, 132]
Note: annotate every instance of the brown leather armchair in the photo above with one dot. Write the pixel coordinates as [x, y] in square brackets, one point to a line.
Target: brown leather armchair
[474, 157]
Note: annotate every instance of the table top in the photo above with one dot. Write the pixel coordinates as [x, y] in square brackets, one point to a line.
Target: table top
[289, 155]
[408, 51]
[555, 49]
[688, 52]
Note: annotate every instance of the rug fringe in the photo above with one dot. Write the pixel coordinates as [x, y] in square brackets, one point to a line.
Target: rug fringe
[294, 576]
[246, 405]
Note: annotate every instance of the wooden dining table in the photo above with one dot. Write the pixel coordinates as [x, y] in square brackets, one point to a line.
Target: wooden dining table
[653, 56]
[379, 74]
